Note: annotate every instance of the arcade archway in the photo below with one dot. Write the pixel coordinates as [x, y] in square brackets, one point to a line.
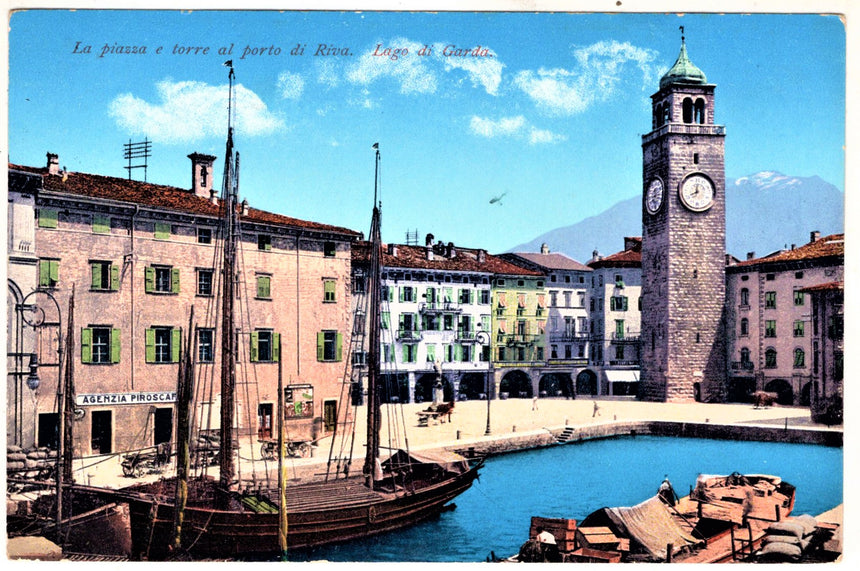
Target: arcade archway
[424, 388]
[516, 384]
[586, 383]
[783, 390]
[555, 385]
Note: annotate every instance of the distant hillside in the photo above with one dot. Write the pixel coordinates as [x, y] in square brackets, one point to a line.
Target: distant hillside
[765, 212]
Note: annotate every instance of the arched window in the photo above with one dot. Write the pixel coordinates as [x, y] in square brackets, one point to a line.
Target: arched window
[700, 111]
[658, 116]
[687, 109]
[667, 113]
[770, 358]
[745, 296]
[799, 358]
[745, 355]
[745, 326]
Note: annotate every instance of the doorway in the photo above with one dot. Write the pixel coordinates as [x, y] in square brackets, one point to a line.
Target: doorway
[102, 432]
[264, 420]
[330, 414]
[163, 429]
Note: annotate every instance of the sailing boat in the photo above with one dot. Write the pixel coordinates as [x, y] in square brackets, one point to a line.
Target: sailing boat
[218, 521]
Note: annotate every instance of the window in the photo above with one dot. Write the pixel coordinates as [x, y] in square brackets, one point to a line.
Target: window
[770, 277]
[618, 303]
[359, 284]
[798, 275]
[770, 358]
[465, 353]
[619, 352]
[745, 355]
[745, 297]
[431, 353]
[798, 297]
[359, 358]
[205, 345]
[329, 291]
[329, 346]
[264, 242]
[619, 329]
[410, 352]
[770, 300]
[358, 323]
[265, 346]
[745, 327]
[385, 318]
[835, 324]
[105, 276]
[162, 344]
[539, 353]
[798, 328]
[485, 297]
[567, 298]
[264, 287]
[770, 328]
[387, 353]
[553, 351]
[101, 224]
[553, 299]
[448, 322]
[408, 294]
[502, 354]
[49, 273]
[204, 235]
[100, 345]
[466, 296]
[568, 352]
[204, 282]
[48, 218]
[162, 231]
[799, 358]
[161, 279]
[329, 249]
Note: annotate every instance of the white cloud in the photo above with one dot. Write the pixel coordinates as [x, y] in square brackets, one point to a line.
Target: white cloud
[327, 74]
[291, 85]
[410, 70]
[189, 111]
[517, 127]
[485, 71]
[599, 69]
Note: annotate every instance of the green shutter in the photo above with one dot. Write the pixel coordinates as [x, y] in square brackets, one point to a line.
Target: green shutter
[162, 231]
[458, 352]
[255, 346]
[386, 320]
[338, 348]
[114, 345]
[101, 224]
[400, 292]
[175, 345]
[264, 284]
[47, 218]
[54, 272]
[114, 277]
[150, 345]
[276, 347]
[320, 346]
[44, 272]
[174, 280]
[149, 279]
[431, 353]
[405, 354]
[97, 275]
[86, 345]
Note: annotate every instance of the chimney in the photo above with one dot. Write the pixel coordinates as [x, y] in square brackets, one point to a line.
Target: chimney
[793, 246]
[814, 235]
[482, 256]
[544, 249]
[750, 255]
[450, 252]
[245, 207]
[392, 250]
[728, 259]
[428, 241]
[595, 255]
[429, 250]
[53, 164]
[202, 175]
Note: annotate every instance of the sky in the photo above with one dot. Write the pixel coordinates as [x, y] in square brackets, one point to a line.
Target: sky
[545, 110]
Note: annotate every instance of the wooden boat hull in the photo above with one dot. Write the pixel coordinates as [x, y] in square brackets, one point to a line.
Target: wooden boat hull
[215, 534]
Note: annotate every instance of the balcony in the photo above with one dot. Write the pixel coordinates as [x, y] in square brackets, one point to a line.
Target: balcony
[568, 337]
[518, 339]
[624, 362]
[464, 335]
[628, 337]
[743, 367]
[684, 129]
[439, 307]
[408, 335]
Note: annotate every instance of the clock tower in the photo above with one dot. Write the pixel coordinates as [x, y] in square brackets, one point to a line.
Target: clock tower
[683, 241]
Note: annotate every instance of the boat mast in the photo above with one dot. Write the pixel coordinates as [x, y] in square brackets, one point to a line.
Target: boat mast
[230, 189]
[374, 301]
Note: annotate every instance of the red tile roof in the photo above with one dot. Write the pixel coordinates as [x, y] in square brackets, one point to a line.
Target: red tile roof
[828, 246]
[159, 196]
[629, 258]
[830, 286]
[464, 260]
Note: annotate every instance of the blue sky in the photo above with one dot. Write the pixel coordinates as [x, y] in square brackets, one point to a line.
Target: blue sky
[550, 115]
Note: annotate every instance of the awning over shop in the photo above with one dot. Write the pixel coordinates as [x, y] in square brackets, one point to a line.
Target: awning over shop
[629, 376]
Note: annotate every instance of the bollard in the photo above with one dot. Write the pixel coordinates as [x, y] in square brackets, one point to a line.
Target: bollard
[565, 422]
[707, 420]
[458, 435]
[514, 428]
[669, 553]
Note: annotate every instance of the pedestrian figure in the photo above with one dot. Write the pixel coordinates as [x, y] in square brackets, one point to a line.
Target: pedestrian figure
[667, 492]
[534, 403]
[596, 410]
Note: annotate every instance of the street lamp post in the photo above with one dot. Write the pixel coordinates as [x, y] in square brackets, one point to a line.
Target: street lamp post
[37, 319]
[484, 339]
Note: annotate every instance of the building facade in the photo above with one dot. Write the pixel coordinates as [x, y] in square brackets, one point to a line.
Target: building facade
[567, 331]
[769, 323]
[683, 241]
[615, 306]
[828, 351]
[138, 257]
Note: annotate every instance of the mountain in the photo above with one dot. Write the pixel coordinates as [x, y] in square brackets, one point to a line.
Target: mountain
[765, 212]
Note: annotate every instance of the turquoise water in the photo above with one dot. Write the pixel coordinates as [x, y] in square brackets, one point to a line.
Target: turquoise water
[574, 480]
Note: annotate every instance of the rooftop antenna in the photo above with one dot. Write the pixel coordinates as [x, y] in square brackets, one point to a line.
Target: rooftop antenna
[682, 33]
[412, 238]
[137, 151]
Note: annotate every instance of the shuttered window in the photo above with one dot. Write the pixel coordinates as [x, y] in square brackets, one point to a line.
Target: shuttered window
[49, 273]
[163, 344]
[47, 218]
[105, 276]
[264, 287]
[100, 345]
[101, 224]
[162, 231]
[329, 346]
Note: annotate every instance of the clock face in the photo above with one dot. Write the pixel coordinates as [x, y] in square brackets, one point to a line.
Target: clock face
[697, 193]
[654, 196]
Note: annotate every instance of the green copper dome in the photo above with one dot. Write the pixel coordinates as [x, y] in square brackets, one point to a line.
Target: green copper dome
[684, 71]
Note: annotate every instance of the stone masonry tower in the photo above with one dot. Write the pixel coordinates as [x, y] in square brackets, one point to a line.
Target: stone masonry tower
[683, 241]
